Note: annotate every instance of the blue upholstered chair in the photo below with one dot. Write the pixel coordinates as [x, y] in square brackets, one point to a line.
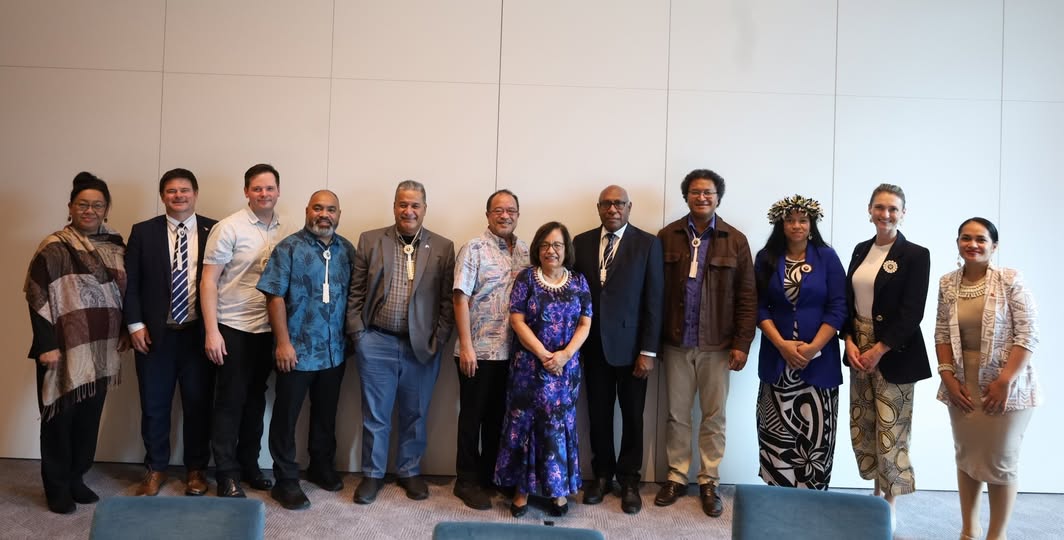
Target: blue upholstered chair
[762, 512]
[476, 530]
[166, 518]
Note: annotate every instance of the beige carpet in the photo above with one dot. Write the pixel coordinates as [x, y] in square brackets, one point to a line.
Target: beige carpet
[924, 515]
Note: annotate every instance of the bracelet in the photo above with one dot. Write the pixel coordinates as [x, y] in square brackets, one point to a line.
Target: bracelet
[946, 367]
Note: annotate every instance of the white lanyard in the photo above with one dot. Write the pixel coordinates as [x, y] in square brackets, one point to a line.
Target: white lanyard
[326, 254]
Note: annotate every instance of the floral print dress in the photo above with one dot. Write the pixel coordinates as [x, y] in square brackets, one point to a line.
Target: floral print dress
[538, 450]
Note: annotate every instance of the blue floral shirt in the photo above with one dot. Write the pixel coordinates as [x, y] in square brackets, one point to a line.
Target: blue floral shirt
[296, 272]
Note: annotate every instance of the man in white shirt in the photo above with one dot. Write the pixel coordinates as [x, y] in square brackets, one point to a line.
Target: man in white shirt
[238, 337]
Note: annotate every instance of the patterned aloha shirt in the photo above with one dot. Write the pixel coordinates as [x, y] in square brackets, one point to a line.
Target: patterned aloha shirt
[484, 271]
[296, 272]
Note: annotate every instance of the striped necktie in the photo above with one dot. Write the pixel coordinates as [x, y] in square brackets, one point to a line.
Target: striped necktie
[607, 254]
[179, 277]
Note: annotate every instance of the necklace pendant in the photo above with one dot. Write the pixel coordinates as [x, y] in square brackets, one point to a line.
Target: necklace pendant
[409, 269]
[695, 242]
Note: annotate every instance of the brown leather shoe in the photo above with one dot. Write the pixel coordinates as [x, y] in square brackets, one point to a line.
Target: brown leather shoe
[150, 484]
[196, 483]
[711, 503]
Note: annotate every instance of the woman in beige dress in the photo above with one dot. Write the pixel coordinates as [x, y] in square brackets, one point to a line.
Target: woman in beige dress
[984, 335]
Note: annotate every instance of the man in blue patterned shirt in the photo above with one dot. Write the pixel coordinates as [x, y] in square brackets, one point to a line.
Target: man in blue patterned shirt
[306, 283]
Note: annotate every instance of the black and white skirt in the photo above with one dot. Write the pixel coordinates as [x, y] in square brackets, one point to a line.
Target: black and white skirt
[796, 424]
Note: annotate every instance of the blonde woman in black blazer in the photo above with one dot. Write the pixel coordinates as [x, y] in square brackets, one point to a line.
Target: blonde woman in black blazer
[886, 291]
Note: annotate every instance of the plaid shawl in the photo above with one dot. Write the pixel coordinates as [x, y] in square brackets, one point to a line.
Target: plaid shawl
[76, 283]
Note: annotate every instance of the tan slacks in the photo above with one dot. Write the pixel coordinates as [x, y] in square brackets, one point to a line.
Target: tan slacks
[687, 372]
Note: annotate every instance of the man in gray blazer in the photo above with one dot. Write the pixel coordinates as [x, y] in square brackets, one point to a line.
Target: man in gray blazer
[399, 316]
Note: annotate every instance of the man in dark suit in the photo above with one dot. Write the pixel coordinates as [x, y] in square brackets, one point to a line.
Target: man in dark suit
[624, 269]
[399, 316]
[163, 262]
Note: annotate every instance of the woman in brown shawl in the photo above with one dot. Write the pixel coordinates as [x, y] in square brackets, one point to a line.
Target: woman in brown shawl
[74, 289]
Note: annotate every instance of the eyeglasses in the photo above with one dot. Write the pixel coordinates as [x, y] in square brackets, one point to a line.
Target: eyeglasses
[96, 206]
[556, 246]
[501, 211]
[704, 193]
[606, 205]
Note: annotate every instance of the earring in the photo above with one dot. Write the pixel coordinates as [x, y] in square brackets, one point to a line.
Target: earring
[960, 262]
[870, 220]
[810, 237]
[105, 220]
[69, 219]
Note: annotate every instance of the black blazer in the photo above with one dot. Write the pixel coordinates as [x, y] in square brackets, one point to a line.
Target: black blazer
[897, 308]
[627, 309]
[148, 272]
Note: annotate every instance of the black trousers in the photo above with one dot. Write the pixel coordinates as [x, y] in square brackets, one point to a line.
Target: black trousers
[175, 357]
[68, 440]
[607, 384]
[482, 406]
[240, 401]
[291, 389]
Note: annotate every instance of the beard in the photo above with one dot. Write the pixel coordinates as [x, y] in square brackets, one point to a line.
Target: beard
[321, 230]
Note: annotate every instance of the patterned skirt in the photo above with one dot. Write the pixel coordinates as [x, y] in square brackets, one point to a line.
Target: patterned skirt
[796, 424]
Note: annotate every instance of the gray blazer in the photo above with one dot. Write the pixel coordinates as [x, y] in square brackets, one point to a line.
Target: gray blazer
[430, 313]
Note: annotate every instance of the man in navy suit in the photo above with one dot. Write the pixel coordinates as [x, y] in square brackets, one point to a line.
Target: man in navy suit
[163, 262]
[624, 269]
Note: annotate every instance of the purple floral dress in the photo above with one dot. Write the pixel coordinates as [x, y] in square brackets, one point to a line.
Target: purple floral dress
[538, 450]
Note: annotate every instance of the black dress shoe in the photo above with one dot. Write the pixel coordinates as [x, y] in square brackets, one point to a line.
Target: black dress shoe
[256, 480]
[290, 495]
[62, 504]
[230, 488]
[82, 494]
[327, 480]
[596, 490]
[669, 493]
[366, 492]
[711, 503]
[518, 511]
[472, 495]
[415, 487]
[558, 510]
[631, 502]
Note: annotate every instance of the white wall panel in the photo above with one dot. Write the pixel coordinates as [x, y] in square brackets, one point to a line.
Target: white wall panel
[1032, 136]
[422, 40]
[559, 147]
[755, 46]
[219, 125]
[911, 48]
[1033, 65]
[765, 146]
[611, 43]
[106, 34]
[250, 37]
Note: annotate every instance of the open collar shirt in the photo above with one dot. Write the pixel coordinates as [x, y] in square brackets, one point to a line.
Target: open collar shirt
[484, 271]
[297, 273]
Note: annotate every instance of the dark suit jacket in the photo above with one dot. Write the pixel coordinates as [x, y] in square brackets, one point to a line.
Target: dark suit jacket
[430, 314]
[628, 306]
[821, 300]
[148, 272]
[897, 308]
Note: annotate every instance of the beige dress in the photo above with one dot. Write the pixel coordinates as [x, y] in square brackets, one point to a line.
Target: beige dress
[987, 446]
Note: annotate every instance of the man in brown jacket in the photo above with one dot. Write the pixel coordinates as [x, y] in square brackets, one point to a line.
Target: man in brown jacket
[710, 312]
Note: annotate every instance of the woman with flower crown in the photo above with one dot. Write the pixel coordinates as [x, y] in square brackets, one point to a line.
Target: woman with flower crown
[985, 333]
[801, 297]
[886, 292]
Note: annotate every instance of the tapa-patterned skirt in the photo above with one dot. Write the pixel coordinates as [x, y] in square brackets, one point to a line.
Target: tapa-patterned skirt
[796, 424]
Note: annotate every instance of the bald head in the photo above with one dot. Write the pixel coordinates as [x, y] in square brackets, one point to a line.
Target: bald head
[614, 208]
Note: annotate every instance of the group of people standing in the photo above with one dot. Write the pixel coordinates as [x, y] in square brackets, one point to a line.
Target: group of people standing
[215, 307]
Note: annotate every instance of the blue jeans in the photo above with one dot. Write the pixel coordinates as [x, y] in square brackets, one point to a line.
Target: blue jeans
[391, 377]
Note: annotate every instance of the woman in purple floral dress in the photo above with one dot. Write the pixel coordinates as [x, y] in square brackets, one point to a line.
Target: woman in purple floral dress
[550, 312]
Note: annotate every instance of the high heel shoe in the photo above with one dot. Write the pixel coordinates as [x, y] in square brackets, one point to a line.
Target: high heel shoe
[518, 511]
